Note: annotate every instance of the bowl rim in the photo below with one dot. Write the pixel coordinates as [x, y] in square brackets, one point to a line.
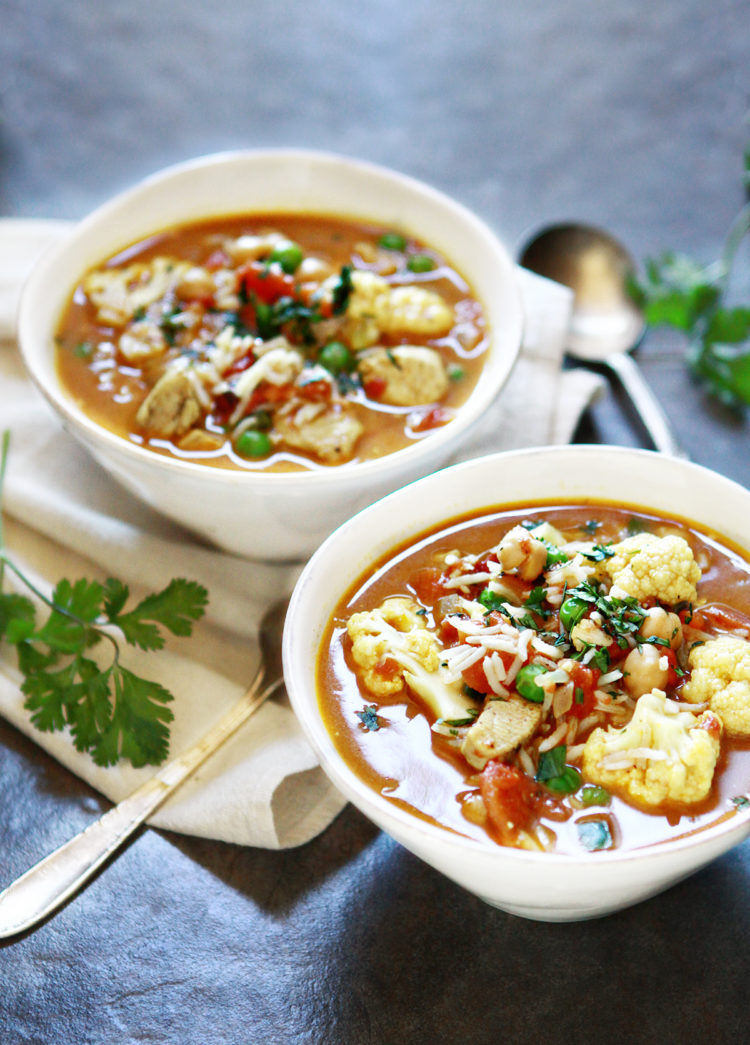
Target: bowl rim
[306, 706]
[427, 447]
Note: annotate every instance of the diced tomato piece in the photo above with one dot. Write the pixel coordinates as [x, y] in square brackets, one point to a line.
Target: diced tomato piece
[432, 418]
[508, 796]
[375, 387]
[715, 616]
[316, 391]
[475, 676]
[265, 282]
[584, 680]
[427, 584]
[388, 668]
[673, 678]
[243, 363]
[267, 394]
[224, 406]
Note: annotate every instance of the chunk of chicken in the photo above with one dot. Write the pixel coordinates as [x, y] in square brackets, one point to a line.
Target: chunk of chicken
[118, 294]
[328, 430]
[500, 729]
[413, 375]
[172, 406]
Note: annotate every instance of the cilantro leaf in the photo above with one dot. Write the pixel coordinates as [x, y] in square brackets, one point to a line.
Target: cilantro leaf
[679, 292]
[111, 712]
[176, 607]
[368, 716]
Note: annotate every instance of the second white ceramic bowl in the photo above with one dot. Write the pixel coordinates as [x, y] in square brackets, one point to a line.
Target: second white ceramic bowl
[543, 886]
[256, 514]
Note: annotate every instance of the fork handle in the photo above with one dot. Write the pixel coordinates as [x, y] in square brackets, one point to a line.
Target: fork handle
[49, 883]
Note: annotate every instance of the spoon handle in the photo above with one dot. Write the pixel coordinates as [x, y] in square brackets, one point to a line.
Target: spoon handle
[648, 406]
[46, 885]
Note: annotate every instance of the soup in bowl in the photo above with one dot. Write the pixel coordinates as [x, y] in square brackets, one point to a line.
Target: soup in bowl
[534, 671]
[261, 343]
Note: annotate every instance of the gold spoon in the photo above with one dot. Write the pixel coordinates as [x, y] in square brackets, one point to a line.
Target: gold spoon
[49, 883]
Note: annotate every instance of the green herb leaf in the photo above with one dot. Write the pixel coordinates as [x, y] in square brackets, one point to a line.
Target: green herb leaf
[555, 774]
[368, 716]
[680, 293]
[111, 712]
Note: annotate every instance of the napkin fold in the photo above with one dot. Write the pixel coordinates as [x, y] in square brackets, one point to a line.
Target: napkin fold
[64, 517]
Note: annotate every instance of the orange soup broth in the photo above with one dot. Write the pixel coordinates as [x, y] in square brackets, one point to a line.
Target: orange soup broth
[416, 769]
[112, 399]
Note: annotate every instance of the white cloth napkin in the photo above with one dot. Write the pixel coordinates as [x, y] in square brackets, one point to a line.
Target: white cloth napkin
[65, 518]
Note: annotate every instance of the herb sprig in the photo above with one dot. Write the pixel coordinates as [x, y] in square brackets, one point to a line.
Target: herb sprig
[681, 293]
[112, 713]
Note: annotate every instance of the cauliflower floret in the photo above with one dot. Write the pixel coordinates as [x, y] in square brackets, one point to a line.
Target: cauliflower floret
[414, 310]
[662, 755]
[721, 677]
[413, 375]
[646, 566]
[393, 647]
[374, 307]
[367, 303]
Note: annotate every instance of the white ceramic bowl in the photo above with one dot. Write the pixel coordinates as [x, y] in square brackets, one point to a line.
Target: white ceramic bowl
[543, 886]
[270, 515]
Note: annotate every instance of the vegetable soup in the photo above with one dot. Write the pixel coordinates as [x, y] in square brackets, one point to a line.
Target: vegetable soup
[276, 342]
[558, 678]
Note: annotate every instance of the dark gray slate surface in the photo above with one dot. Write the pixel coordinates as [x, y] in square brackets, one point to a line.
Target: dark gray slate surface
[630, 115]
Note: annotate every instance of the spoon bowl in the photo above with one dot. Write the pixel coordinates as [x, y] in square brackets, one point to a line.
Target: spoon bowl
[606, 325]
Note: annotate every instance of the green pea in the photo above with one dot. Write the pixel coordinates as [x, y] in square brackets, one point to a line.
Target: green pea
[253, 443]
[289, 255]
[420, 263]
[336, 357]
[571, 612]
[526, 682]
[593, 795]
[392, 241]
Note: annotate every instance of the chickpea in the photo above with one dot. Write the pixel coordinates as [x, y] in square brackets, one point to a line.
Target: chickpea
[521, 552]
[643, 671]
[195, 283]
[663, 625]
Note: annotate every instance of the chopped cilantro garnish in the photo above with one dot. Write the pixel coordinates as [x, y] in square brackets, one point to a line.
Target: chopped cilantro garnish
[535, 601]
[492, 601]
[553, 772]
[594, 834]
[598, 553]
[342, 290]
[368, 716]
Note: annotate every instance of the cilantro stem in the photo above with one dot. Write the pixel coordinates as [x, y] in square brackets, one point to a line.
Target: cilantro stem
[737, 232]
[4, 449]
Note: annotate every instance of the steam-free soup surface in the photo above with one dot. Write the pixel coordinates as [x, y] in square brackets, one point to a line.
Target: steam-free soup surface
[563, 678]
[277, 342]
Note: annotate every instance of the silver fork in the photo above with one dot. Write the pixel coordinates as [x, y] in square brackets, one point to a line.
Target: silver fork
[49, 883]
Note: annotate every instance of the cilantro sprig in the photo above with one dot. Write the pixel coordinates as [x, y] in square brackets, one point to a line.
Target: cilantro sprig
[693, 298]
[112, 713]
